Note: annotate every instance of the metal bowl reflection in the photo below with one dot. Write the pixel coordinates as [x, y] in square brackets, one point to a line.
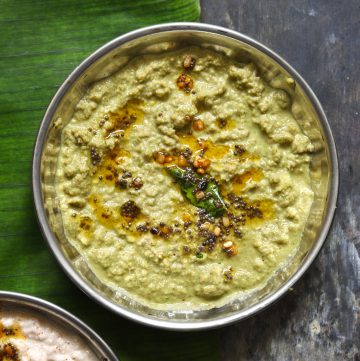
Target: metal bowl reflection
[159, 39]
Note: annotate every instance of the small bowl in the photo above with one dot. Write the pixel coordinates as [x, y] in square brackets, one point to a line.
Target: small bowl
[18, 302]
[159, 39]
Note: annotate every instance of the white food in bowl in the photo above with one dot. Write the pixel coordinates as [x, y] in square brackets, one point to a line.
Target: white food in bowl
[29, 337]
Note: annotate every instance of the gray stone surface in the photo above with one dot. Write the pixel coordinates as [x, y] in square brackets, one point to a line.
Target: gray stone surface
[320, 318]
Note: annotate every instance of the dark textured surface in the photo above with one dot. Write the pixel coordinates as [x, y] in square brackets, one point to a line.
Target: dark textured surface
[320, 319]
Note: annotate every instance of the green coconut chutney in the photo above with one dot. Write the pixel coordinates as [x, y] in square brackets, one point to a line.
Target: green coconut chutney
[137, 225]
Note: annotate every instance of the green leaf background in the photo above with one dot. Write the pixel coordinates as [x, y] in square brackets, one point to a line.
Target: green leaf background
[40, 44]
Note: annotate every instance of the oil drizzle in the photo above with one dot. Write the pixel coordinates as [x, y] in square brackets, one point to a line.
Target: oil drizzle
[13, 331]
[211, 150]
[226, 124]
[239, 181]
[242, 154]
[123, 119]
[107, 171]
[8, 351]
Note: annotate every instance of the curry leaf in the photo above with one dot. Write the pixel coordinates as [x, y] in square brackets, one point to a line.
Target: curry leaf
[191, 183]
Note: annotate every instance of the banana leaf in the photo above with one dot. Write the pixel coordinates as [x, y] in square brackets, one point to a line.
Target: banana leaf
[40, 43]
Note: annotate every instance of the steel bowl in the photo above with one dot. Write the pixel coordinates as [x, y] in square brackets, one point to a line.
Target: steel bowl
[159, 39]
[33, 306]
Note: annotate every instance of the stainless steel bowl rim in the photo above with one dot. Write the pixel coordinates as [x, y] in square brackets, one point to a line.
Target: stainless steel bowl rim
[52, 241]
[47, 308]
